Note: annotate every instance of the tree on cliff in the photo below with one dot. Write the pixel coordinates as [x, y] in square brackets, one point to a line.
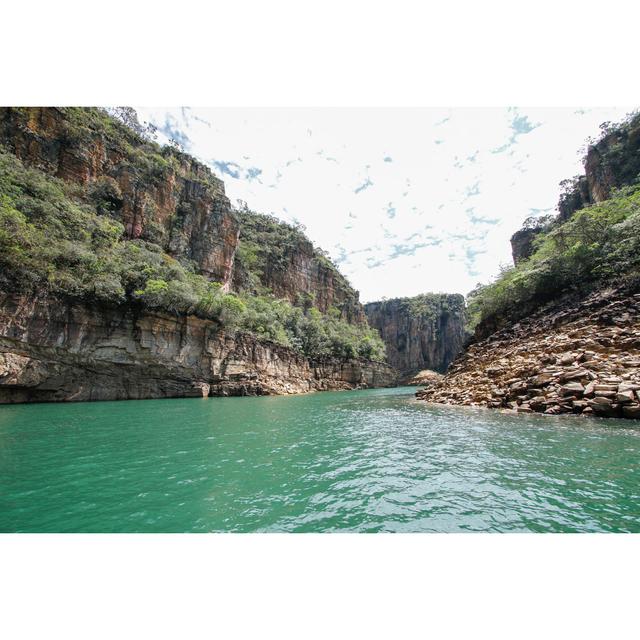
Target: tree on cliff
[129, 117]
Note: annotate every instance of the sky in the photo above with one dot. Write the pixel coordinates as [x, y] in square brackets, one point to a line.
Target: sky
[405, 201]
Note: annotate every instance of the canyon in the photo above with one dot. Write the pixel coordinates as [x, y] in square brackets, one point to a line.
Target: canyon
[153, 285]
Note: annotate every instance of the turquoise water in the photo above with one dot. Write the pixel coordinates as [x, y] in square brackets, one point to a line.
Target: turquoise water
[375, 460]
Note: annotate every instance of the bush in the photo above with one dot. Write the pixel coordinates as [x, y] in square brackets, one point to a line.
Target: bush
[106, 195]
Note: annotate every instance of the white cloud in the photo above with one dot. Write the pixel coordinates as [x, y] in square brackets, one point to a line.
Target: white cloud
[407, 200]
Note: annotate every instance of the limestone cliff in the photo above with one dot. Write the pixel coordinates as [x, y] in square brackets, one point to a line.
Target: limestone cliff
[125, 273]
[424, 332]
[51, 350]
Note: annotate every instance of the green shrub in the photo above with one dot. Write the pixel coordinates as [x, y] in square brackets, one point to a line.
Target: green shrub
[106, 195]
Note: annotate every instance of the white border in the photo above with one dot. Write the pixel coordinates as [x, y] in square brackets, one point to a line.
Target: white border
[334, 53]
[330, 53]
[319, 586]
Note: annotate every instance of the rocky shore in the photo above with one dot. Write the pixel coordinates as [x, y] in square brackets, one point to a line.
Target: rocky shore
[579, 357]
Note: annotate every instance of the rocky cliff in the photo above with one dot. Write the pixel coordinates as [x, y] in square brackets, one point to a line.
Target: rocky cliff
[610, 163]
[158, 193]
[278, 258]
[424, 332]
[52, 350]
[125, 273]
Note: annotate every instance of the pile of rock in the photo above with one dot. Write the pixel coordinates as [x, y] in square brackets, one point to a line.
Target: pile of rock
[424, 378]
[582, 359]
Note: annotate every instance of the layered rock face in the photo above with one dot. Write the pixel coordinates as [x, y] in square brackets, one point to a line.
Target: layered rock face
[579, 357]
[63, 349]
[56, 351]
[159, 194]
[425, 332]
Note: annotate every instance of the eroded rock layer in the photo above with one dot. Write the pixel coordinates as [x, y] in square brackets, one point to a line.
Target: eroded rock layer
[579, 357]
[56, 351]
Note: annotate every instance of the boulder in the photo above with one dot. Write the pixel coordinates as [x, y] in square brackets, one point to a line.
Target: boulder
[625, 396]
[575, 374]
[573, 388]
[579, 406]
[631, 411]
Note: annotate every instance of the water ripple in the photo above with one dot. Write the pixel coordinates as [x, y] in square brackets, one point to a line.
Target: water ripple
[357, 461]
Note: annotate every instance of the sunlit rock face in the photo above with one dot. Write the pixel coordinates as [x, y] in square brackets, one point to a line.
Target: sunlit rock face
[425, 332]
[164, 196]
[288, 265]
[579, 356]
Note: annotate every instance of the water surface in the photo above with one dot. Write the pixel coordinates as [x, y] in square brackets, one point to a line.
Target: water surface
[375, 460]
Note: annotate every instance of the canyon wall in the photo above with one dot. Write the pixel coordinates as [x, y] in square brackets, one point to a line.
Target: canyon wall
[424, 332]
[52, 350]
[75, 342]
[159, 193]
[278, 257]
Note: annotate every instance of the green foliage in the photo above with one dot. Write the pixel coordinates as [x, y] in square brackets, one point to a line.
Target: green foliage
[53, 238]
[106, 195]
[427, 307]
[266, 246]
[430, 306]
[599, 243]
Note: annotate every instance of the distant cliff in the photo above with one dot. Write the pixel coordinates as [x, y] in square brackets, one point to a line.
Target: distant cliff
[424, 332]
